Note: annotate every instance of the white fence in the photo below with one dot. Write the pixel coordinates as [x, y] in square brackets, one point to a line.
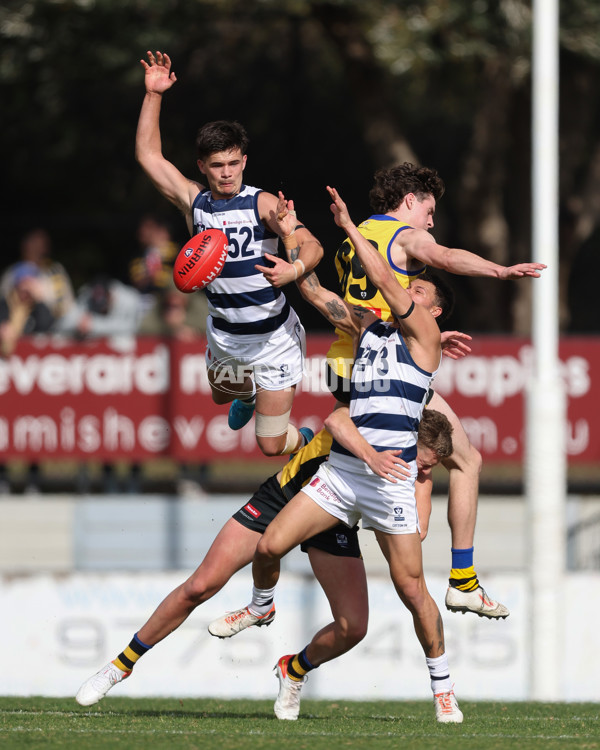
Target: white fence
[59, 625]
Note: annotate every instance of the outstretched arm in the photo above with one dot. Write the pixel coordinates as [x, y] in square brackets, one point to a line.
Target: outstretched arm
[169, 181]
[386, 464]
[419, 244]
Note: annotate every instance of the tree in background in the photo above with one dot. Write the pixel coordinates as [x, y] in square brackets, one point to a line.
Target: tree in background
[328, 91]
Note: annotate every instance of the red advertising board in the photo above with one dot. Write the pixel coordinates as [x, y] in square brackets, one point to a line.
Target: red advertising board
[139, 398]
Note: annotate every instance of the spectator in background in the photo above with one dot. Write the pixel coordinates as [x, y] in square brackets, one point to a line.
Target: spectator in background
[55, 288]
[152, 271]
[23, 310]
[176, 315]
[104, 307]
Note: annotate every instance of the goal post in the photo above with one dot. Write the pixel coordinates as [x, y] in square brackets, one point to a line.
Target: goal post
[545, 424]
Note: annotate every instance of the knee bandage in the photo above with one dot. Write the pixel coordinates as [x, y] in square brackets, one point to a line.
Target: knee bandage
[266, 426]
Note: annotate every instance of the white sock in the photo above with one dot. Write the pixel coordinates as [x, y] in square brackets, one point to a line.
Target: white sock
[262, 600]
[439, 673]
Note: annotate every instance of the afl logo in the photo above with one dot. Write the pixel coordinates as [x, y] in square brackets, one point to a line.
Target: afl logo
[188, 251]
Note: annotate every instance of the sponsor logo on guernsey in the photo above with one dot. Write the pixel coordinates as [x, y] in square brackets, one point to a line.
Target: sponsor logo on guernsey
[237, 222]
[252, 510]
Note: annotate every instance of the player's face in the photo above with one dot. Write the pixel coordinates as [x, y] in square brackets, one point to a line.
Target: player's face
[223, 171]
[421, 212]
[426, 458]
[423, 293]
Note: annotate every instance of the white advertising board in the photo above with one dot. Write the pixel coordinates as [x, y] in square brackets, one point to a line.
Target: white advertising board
[58, 630]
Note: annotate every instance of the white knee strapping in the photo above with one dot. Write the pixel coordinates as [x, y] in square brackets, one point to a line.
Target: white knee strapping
[265, 426]
[291, 441]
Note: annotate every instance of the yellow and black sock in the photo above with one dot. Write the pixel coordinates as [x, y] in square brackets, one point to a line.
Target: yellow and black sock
[126, 660]
[298, 666]
[463, 575]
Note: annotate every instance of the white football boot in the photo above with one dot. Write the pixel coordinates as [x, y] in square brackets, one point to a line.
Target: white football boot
[476, 601]
[446, 708]
[287, 705]
[98, 685]
[234, 622]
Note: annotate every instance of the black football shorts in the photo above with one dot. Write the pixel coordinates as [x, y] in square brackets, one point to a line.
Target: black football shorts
[266, 503]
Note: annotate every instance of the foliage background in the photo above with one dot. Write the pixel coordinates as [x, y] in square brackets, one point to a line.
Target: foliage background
[328, 91]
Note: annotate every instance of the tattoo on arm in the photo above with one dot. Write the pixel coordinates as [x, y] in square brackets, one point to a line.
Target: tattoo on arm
[337, 311]
[359, 311]
[294, 253]
[311, 280]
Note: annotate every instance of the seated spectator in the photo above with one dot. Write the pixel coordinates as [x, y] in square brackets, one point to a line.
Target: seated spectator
[23, 310]
[177, 315]
[56, 288]
[104, 307]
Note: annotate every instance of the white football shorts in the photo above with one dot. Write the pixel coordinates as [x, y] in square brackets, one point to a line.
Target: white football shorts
[275, 360]
[382, 505]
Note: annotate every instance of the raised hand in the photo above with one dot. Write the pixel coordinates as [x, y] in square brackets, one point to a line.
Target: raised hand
[338, 208]
[522, 269]
[158, 76]
[453, 344]
[285, 216]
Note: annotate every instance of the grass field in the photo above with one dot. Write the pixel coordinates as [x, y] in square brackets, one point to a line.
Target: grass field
[138, 724]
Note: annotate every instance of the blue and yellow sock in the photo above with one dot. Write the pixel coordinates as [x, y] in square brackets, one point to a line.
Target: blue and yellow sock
[126, 660]
[463, 575]
[298, 666]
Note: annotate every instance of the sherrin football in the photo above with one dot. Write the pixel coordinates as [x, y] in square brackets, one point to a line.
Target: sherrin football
[200, 260]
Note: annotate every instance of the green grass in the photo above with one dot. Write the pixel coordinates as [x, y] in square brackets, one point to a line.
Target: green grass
[323, 725]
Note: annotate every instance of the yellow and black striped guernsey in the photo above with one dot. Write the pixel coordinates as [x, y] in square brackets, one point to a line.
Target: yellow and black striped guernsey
[381, 231]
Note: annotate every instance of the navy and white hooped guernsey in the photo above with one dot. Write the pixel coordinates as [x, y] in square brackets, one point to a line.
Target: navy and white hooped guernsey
[387, 397]
[241, 300]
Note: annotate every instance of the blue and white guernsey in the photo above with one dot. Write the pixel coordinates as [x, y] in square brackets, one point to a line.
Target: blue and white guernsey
[387, 397]
[241, 300]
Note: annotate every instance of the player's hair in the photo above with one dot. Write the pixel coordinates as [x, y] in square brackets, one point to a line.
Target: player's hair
[435, 433]
[444, 295]
[221, 135]
[391, 185]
